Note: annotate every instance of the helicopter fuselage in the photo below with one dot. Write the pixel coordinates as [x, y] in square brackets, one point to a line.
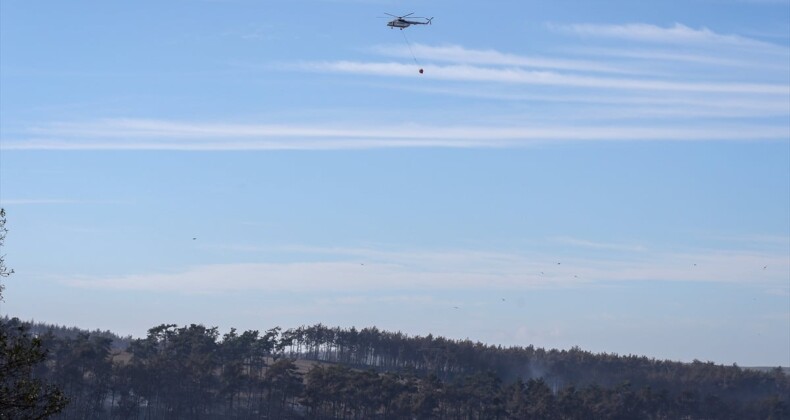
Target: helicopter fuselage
[403, 23]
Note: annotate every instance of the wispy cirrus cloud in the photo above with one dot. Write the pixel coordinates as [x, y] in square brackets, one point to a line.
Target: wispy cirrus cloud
[460, 54]
[592, 105]
[674, 56]
[521, 76]
[665, 80]
[602, 100]
[583, 243]
[675, 34]
[360, 271]
[566, 70]
[128, 134]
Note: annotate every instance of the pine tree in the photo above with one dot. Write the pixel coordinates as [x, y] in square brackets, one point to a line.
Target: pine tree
[22, 395]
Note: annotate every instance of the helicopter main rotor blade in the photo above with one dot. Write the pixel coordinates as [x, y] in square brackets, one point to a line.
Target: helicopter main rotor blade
[400, 17]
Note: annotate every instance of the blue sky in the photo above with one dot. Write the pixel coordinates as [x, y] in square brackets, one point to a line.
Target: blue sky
[613, 175]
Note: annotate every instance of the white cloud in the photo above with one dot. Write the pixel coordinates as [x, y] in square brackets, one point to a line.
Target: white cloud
[459, 54]
[375, 300]
[660, 105]
[673, 57]
[599, 245]
[126, 134]
[675, 34]
[360, 271]
[673, 107]
[546, 78]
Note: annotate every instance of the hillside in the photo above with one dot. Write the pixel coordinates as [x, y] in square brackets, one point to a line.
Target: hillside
[322, 372]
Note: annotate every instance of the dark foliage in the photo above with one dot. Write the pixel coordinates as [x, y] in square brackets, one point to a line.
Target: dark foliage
[332, 373]
[62, 332]
[22, 395]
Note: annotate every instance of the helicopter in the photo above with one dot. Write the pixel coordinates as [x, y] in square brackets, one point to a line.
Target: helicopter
[402, 23]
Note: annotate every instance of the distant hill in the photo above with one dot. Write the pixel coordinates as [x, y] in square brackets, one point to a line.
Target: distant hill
[343, 373]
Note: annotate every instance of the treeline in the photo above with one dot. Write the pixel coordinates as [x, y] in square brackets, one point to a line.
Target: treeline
[63, 331]
[334, 373]
[448, 359]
